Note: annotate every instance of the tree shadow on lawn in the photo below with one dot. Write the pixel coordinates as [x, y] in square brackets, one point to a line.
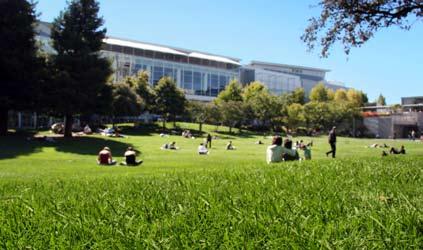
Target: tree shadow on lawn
[142, 130]
[88, 145]
[233, 135]
[18, 145]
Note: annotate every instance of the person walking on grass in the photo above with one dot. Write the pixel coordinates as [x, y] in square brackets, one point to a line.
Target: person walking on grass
[209, 141]
[332, 142]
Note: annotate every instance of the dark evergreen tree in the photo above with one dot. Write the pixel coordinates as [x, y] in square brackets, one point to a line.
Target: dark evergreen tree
[81, 72]
[18, 61]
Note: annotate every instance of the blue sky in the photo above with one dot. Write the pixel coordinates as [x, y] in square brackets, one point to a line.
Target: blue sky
[266, 30]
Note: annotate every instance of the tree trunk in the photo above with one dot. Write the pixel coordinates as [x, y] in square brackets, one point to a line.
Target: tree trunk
[200, 127]
[174, 121]
[164, 124]
[68, 126]
[230, 129]
[4, 118]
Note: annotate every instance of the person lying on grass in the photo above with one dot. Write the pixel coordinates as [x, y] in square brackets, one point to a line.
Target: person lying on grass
[396, 151]
[170, 146]
[202, 150]
[105, 157]
[131, 158]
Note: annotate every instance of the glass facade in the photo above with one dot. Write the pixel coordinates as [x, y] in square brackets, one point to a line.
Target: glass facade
[277, 83]
[193, 79]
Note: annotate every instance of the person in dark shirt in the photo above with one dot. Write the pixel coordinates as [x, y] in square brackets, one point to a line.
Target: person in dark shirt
[131, 158]
[209, 141]
[332, 142]
[396, 151]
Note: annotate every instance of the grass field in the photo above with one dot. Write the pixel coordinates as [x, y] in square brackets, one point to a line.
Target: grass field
[53, 195]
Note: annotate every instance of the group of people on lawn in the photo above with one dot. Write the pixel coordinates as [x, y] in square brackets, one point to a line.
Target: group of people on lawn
[105, 157]
[274, 153]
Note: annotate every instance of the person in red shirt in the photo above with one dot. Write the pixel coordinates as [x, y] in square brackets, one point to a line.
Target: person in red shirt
[105, 157]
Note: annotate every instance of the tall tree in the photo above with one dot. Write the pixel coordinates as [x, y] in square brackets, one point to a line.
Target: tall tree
[354, 22]
[18, 60]
[81, 73]
[199, 112]
[170, 100]
[232, 113]
[125, 100]
[295, 115]
[145, 90]
[381, 101]
[355, 97]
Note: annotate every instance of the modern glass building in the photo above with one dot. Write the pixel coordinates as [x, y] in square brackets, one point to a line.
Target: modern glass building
[283, 78]
[201, 75]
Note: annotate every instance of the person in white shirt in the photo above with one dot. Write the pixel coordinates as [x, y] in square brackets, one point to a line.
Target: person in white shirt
[202, 150]
[275, 151]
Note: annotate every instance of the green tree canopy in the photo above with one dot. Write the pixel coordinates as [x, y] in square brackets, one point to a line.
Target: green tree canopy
[355, 97]
[319, 93]
[381, 101]
[253, 89]
[145, 90]
[170, 100]
[18, 61]
[297, 96]
[232, 92]
[340, 96]
[232, 113]
[295, 115]
[125, 100]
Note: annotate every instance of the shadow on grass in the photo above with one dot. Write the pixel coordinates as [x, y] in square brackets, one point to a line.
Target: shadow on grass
[18, 145]
[233, 135]
[143, 130]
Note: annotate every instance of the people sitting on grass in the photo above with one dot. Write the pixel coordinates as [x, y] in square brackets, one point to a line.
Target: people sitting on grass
[186, 134]
[259, 142]
[105, 157]
[229, 146]
[396, 151]
[131, 158]
[277, 153]
[202, 150]
[170, 146]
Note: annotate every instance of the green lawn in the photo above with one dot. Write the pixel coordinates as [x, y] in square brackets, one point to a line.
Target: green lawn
[53, 195]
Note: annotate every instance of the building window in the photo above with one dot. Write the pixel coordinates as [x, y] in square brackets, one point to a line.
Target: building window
[223, 81]
[157, 74]
[214, 81]
[187, 81]
[198, 83]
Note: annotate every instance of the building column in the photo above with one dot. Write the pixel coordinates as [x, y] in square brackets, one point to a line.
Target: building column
[34, 116]
[19, 120]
